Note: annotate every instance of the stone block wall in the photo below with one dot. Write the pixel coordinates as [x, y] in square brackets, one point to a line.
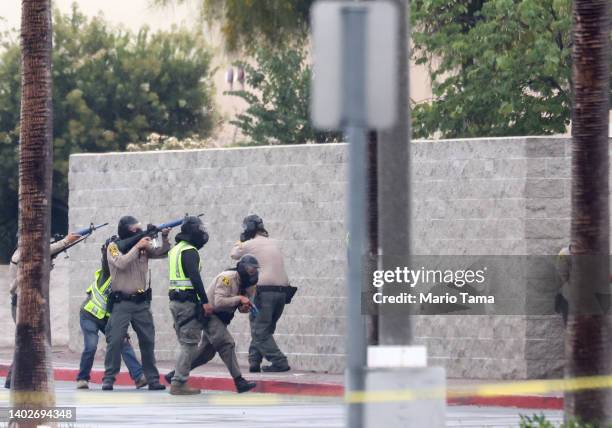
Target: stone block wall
[507, 196]
[299, 192]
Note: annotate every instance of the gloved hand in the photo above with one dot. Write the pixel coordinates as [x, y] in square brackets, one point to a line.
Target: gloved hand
[208, 309]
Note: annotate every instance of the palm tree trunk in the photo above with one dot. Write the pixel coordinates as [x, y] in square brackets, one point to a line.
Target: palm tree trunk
[32, 379]
[588, 338]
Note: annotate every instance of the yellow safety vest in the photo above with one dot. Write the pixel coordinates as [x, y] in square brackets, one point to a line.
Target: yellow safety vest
[178, 279]
[98, 297]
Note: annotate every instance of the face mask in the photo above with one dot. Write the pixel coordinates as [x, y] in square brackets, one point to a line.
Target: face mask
[134, 232]
[199, 239]
[245, 236]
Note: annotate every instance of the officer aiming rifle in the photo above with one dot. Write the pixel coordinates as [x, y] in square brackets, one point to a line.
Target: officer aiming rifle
[152, 231]
[82, 234]
[57, 246]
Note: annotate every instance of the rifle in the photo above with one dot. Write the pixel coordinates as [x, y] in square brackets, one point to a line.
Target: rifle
[126, 244]
[85, 232]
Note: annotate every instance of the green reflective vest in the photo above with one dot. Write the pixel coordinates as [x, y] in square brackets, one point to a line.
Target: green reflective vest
[98, 296]
[178, 279]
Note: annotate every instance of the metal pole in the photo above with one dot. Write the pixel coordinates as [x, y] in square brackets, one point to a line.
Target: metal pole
[394, 191]
[354, 44]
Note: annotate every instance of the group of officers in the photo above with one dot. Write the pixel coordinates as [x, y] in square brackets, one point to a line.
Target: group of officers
[120, 295]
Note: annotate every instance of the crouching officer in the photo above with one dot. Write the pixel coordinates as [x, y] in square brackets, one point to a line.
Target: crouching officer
[93, 317]
[229, 291]
[131, 301]
[188, 299]
[272, 292]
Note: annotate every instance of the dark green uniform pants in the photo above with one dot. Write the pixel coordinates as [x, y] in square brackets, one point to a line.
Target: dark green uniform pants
[217, 338]
[188, 335]
[263, 326]
[140, 317]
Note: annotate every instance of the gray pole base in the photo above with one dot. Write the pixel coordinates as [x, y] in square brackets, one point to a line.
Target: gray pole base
[426, 413]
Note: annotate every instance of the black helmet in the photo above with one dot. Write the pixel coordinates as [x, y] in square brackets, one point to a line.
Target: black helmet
[252, 223]
[193, 231]
[248, 277]
[123, 229]
[248, 260]
[191, 224]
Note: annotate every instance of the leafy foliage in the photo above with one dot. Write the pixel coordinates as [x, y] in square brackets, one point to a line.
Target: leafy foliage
[540, 421]
[278, 99]
[165, 142]
[244, 23]
[111, 88]
[499, 67]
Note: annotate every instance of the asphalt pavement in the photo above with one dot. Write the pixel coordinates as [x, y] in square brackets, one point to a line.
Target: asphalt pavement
[127, 407]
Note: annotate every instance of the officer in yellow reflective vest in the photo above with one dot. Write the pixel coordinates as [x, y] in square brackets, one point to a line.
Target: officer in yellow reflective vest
[93, 317]
[188, 300]
[195, 318]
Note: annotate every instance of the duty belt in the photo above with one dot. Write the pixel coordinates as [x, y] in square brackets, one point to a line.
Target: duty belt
[278, 288]
[183, 296]
[118, 296]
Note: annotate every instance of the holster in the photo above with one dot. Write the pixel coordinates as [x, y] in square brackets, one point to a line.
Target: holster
[225, 317]
[110, 302]
[290, 292]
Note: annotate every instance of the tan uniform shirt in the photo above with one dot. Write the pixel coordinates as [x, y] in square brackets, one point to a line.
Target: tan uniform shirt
[268, 254]
[13, 287]
[129, 271]
[224, 292]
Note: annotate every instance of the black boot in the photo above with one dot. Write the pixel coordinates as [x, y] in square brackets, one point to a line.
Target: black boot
[156, 386]
[169, 376]
[274, 367]
[243, 385]
[254, 367]
[107, 386]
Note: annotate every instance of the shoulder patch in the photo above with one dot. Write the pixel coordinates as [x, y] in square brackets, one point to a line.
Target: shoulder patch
[113, 249]
[226, 280]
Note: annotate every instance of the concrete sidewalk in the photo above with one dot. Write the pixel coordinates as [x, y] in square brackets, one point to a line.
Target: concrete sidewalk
[216, 377]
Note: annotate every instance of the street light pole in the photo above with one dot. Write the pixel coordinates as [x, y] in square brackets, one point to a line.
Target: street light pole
[353, 42]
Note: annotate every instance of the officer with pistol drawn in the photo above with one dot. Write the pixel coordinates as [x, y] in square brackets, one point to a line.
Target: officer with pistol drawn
[229, 291]
[130, 301]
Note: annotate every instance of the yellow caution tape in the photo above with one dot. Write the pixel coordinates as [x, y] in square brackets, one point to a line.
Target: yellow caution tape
[528, 387]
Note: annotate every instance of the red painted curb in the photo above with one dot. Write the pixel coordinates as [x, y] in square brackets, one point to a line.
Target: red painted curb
[516, 401]
[213, 383]
[317, 389]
